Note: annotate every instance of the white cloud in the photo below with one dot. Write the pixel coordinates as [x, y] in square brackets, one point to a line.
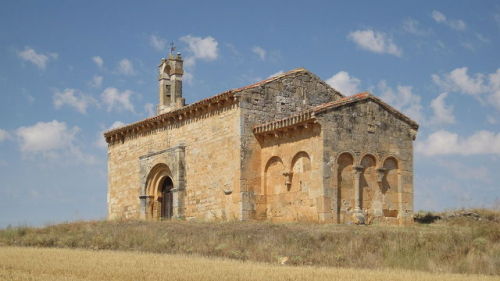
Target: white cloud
[158, 43]
[457, 24]
[276, 73]
[125, 67]
[51, 140]
[413, 26]
[438, 16]
[374, 41]
[46, 136]
[403, 99]
[116, 100]
[38, 59]
[443, 113]
[201, 48]
[187, 77]
[458, 80]
[150, 109]
[454, 24]
[73, 98]
[494, 89]
[344, 83]
[96, 81]
[259, 51]
[98, 61]
[446, 143]
[4, 135]
[101, 142]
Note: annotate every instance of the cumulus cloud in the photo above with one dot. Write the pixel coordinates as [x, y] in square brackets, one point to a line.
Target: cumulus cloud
[477, 85]
[116, 100]
[51, 140]
[443, 113]
[125, 67]
[157, 42]
[458, 80]
[200, 48]
[401, 98]
[38, 59]
[375, 41]
[96, 81]
[101, 142]
[72, 98]
[454, 24]
[447, 143]
[344, 83]
[98, 61]
[150, 109]
[260, 52]
[4, 135]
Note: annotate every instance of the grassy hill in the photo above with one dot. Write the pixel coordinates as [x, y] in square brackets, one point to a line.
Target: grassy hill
[460, 242]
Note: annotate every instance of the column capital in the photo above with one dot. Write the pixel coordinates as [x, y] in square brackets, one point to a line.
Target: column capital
[358, 168]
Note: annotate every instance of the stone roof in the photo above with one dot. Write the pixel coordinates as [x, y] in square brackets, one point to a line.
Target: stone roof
[184, 112]
[309, 115]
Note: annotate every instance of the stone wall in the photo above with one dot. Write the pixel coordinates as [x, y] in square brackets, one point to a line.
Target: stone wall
[291, 185]
[210, 143]
[368, 163]
[280, 98]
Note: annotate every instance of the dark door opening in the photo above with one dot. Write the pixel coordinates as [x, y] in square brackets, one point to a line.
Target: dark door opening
[167, 198]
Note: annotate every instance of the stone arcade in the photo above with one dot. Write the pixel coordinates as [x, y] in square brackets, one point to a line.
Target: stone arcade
[289, 148]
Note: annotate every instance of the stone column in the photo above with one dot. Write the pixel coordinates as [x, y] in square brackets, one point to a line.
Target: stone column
[357, 178]
[358, 215]
[145, 201]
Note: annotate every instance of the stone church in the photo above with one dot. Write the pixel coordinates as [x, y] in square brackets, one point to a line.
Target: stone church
[288, 148]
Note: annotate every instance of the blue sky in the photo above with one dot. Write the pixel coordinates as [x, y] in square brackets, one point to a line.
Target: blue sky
[71, 69]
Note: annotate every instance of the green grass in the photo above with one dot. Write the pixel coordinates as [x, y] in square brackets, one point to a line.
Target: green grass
[455, 245]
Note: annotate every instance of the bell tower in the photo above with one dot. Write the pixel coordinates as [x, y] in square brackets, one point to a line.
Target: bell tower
[170, 83]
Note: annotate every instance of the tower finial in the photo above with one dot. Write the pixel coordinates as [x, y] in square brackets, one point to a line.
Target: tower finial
[172, 47]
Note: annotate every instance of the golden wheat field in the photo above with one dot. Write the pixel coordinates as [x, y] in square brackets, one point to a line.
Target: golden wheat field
[50, 264]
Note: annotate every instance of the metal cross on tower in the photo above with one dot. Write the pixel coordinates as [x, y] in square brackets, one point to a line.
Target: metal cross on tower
[172, 47]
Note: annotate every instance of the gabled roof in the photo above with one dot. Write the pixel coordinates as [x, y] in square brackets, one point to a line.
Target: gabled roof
[184, 112]
[309, 115]
[365, 96]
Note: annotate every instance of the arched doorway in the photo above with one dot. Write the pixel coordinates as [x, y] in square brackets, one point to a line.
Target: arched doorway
[159, 193]
[165, 198]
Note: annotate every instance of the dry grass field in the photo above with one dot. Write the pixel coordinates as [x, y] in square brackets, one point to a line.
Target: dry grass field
[466, 244]
[48, 264]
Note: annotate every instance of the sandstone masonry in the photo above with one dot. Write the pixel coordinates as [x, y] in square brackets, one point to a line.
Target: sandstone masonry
[289, 148]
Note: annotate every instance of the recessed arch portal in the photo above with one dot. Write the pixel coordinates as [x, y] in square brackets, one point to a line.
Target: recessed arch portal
[158, 188]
